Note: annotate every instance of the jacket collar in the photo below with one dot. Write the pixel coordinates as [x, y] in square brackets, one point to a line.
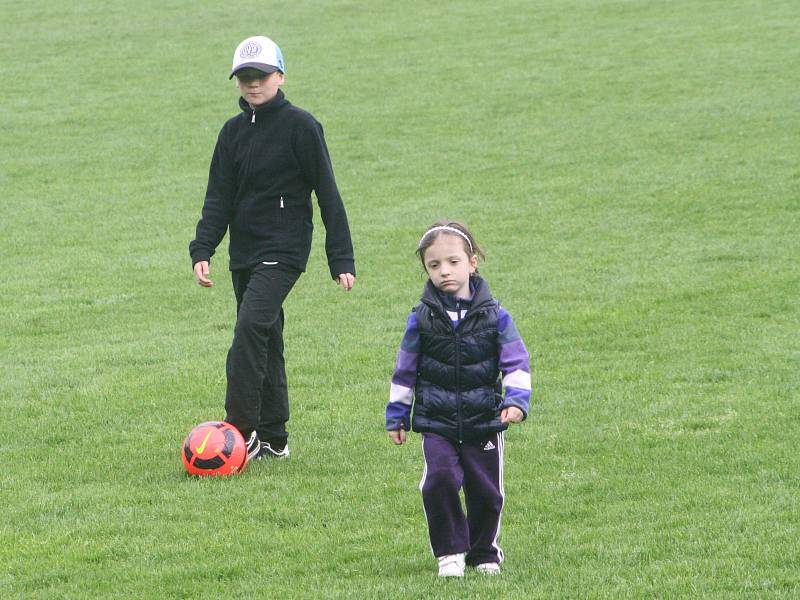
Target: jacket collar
[274, 104]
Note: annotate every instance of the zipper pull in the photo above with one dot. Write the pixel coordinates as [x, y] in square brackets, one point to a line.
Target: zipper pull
[253, 118]
[281, 201]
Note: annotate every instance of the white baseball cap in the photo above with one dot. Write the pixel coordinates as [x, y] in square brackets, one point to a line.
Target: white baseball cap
[258, 52]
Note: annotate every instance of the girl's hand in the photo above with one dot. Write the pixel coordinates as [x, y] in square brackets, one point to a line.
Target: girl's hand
[511, 415]
[398, 436]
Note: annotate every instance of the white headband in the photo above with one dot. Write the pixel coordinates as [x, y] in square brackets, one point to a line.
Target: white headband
[449, 229]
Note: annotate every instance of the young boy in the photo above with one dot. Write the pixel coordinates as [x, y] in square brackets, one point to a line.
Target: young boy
[266, 162]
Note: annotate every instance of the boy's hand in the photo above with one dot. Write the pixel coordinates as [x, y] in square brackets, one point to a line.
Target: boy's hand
[511, 415]
[201, 273]
[346, 280]
[398, 436]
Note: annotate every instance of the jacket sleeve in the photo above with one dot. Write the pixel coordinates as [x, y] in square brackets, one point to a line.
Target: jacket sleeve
[218, 205]
[401, 392]
[315, 163]
[514, 364]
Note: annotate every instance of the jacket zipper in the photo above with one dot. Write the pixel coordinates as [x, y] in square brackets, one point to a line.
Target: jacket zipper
[281, 201]
[253, 118]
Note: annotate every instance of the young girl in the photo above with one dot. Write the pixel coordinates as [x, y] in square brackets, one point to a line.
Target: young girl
[457, 343]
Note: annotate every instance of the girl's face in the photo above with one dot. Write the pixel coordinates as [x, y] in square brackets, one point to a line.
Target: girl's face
[448, 265]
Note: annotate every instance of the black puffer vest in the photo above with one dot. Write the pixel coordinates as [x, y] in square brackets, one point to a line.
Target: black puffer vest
[458, 391]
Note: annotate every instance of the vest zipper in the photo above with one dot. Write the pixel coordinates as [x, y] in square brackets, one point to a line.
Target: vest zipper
[458, 371]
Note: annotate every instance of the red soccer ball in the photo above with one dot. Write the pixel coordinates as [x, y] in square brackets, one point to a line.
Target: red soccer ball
[214, 448]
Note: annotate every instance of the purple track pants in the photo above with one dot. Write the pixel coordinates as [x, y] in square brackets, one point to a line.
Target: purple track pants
[477, 467]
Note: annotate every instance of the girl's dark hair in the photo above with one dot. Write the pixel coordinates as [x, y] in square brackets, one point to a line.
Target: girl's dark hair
[438, 228]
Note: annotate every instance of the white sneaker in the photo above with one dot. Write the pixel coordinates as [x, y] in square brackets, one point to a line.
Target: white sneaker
[451, 565]
[253, 446]
[488, 568]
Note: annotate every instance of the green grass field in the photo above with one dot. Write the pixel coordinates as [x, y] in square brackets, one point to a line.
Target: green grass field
[631, 168]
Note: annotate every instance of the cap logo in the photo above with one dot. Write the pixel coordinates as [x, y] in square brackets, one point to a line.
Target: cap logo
[250, 50]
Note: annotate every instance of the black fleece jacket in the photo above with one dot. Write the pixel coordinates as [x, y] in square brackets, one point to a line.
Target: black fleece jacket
[265, 164]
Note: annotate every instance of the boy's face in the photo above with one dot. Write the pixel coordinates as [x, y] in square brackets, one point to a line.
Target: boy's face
[257, 88]
[449, 266]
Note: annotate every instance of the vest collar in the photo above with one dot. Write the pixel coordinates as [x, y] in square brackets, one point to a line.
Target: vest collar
[480, 295]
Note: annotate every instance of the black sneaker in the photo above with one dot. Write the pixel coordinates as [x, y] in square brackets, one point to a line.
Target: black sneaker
[267, 451]
[253, 446]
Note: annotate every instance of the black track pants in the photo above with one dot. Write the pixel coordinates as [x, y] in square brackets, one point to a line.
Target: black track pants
[257, 396]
